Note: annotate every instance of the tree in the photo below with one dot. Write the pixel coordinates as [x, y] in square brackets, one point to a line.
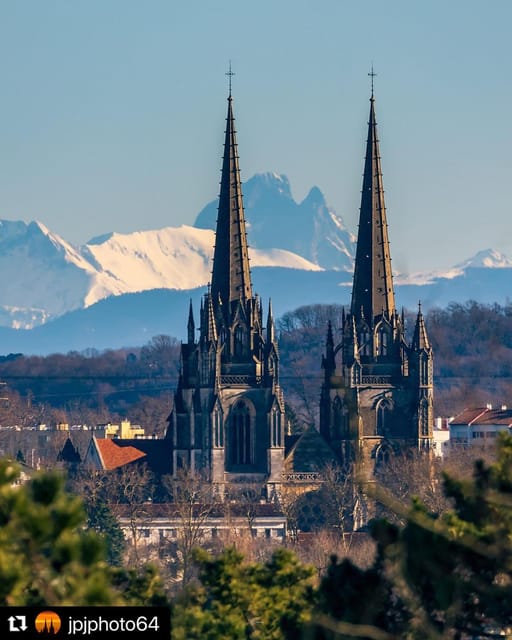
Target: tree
[101, 519]
[48, 558]
[245, 601]
[443, 575]
[192, 502]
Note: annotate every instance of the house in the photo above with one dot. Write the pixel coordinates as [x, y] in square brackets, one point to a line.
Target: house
[480, 426]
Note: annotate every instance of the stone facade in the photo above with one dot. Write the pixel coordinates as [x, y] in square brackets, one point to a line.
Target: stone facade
[228, 415]
[377, 393]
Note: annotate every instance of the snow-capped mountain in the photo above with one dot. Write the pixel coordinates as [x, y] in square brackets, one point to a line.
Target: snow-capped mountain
[121, 289]
[170, 258]
[45, 277]
[319, 233]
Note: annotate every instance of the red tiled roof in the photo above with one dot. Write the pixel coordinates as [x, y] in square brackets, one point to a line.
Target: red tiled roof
[503, 416]
[113, 456]
[469, 415]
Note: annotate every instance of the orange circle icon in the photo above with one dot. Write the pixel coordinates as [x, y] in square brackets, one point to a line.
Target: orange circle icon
[47, 622]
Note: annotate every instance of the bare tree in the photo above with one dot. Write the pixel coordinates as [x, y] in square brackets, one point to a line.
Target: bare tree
[192, 502]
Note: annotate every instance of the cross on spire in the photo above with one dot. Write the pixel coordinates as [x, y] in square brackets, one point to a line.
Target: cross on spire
[230, 75]
[372, 75]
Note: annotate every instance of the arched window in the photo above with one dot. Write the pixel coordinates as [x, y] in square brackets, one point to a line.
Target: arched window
[364, 339]
[423, 417]
[275, 428]
[382, 454]
[218, 430]
[241, 445]
[239, 341]
[383, 417]
[383, 340]
[424, 369]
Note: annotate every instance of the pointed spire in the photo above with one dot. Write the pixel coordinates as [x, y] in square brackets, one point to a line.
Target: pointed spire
[329, 363]
[191, 326]
[373, 284]
[231, 280]
[420, 337]
[270, 324]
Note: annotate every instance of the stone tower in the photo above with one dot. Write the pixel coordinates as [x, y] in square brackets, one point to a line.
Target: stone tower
[228, 412]
[377, 390]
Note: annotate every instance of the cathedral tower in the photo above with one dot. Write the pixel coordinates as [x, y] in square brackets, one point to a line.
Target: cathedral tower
[378, 389]
[228, 413]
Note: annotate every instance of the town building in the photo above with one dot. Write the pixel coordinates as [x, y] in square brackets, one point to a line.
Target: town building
[480, 426]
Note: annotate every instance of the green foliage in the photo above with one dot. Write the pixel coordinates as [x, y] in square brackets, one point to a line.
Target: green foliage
[101, 519]
[239, 600]
[46, 555]
[446, 576]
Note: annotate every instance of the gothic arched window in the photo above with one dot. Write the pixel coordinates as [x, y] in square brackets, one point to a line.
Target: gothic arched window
[241, 445]
[424, 368]
[275, 428]
[364, 340]
[423, 417]
[383, 341]
[383, 417]
[239, 341]
[218, 430]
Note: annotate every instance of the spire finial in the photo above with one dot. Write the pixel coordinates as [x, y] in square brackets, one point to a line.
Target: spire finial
[230, 75]
[372, 75]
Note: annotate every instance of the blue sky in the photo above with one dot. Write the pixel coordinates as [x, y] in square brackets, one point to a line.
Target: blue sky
[112, 112]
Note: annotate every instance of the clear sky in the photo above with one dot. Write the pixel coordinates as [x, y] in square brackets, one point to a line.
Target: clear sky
[112, 112]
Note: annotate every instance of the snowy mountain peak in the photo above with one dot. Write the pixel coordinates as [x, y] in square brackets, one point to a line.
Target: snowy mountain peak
[272, 181]
[488, 258]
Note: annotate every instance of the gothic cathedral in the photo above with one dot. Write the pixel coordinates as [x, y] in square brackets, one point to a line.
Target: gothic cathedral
[377, 389]
[228, 414]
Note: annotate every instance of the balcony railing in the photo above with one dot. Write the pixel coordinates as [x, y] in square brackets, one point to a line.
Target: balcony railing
[309, 476]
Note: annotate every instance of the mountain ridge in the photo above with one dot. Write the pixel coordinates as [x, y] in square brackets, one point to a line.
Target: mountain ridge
[47, 281]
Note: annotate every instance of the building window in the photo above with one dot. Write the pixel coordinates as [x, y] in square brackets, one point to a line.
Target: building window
[239, 341]
[241, 435]
[275, 421]
[383, 418]
[218, 431]
[382, 341]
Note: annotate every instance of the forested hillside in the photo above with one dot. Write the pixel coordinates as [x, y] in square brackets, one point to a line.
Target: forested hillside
[472, 345]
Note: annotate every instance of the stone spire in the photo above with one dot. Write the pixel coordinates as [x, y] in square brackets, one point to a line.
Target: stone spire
[420, 337]
[271, 332]
[372, 293]
[231, 279]
[191, 326]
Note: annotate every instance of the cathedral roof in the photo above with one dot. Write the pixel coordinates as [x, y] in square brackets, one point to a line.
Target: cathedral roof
[372, 293]
[231, 280]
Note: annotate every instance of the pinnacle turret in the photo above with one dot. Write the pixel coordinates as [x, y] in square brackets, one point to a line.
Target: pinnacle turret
[191, 326]
[420, 338]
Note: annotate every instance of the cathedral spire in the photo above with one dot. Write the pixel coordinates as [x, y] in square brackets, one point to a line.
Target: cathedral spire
[372, 292]
[231, 279]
